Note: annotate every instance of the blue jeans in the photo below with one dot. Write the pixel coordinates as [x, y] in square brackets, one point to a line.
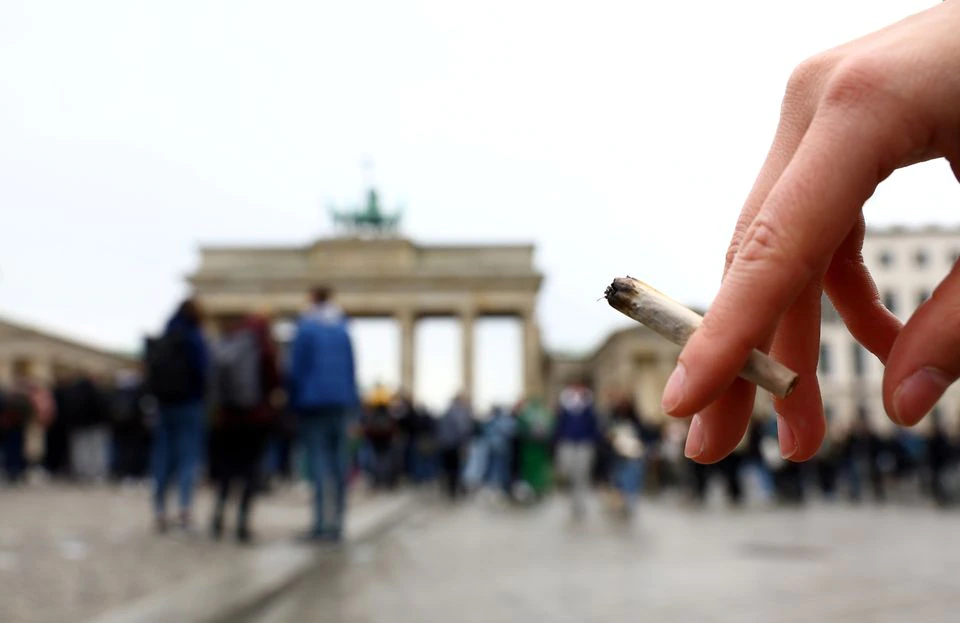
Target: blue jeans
[628, 478]
[14, 462]
[499, 475]
[324, 435]
[177, 445]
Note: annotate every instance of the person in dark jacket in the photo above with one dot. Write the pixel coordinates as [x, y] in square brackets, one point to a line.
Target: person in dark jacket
[452, 433]
[322, 388]
[577, 433]
[244, 432]
[178, 438]
[88, 417]
[131, 436]
[15, 411]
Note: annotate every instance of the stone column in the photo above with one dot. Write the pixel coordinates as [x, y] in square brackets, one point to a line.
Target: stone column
[467, 320]
[532, 356]
[408, 326]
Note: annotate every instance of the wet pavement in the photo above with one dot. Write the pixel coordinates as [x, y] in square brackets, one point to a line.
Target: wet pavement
[487, 564]
[68, 553]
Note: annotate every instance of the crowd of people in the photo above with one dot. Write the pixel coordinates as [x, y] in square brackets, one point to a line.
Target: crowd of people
[239, 413]
[81, 427]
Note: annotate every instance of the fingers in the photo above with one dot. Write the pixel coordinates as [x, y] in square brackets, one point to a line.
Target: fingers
[925, 358]
[800, 422]
[795, 116]
[803, 221]
[716, 431]
[855, 297]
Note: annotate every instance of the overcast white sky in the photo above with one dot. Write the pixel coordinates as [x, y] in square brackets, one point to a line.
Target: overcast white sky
[621, 137]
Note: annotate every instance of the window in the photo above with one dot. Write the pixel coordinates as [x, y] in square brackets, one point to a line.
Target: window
[859, 360]
[920, 258]
[886, 259]
[825, 358]
[922, 297]
[890, 301]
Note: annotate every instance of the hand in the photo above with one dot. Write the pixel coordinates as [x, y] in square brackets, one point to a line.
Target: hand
[850, 117]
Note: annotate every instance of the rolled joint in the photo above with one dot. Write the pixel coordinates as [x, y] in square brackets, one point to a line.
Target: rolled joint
[677, 322]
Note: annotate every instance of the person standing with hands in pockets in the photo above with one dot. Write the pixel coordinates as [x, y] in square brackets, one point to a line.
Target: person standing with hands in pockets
[850, 117]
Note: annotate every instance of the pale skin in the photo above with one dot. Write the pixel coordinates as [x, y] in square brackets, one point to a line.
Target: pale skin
[850, 117]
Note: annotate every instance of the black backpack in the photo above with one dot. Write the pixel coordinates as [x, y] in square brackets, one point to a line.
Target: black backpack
[170, 377]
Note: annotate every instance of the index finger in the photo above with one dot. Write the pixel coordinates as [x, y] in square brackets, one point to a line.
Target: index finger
[806, 216]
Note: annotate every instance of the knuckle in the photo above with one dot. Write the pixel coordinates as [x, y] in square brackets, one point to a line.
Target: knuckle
[739, 233]
[805, 81]
[731, 254]
[766, 245]
[855, 81]
[763, 243]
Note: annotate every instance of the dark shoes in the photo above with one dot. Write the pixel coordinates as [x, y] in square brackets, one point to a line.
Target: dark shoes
[244, 535]
[321, 536]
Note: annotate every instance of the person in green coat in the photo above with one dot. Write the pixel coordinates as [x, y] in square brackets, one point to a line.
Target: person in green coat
[535, 431]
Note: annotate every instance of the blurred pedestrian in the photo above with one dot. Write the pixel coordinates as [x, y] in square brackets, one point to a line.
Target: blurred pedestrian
[626, 440]
[244, 389]
[577, 434]
[130, 406]
[323, 392]
[535, 432]
[500, 431]
[88, 416]
[453, 432]
[177, 373]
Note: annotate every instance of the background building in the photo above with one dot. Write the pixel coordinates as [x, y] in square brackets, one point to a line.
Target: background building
[43, 354]
[907, 264]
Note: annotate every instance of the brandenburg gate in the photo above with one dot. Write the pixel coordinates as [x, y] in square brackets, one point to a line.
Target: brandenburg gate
[383, 276]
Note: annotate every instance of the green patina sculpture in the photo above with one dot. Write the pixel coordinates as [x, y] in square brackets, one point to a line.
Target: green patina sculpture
[368, 219]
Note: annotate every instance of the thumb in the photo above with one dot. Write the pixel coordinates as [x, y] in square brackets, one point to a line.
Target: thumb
[925, 358]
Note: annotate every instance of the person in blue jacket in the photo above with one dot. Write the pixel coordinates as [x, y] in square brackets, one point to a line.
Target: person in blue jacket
[322, 389]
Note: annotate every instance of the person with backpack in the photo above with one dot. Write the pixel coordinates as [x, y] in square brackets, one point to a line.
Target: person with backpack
[322, 389]
[245, 380]
[177, 374]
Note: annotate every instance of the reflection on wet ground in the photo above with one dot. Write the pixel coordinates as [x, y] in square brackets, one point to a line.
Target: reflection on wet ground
[485, 564]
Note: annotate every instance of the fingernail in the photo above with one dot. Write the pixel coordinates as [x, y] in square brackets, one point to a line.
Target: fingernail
[788, 441]
[917, 394]
[695, 440]
[673, 392]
